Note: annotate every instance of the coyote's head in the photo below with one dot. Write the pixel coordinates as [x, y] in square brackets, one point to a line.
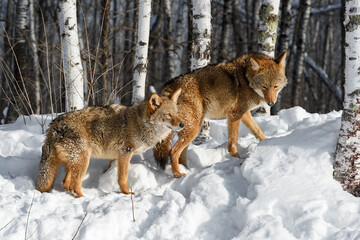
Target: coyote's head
[267, 77]
[164, 111]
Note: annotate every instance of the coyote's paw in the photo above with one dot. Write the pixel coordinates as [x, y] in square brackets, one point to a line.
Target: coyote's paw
[125, 190]
[236, 154]
[178, 174]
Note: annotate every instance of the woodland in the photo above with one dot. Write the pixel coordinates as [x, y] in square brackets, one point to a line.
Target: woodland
[127, 50]
[32, 72]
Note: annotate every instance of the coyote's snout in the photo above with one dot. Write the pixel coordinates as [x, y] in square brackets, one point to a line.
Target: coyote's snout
[111, 132]
[268, 80]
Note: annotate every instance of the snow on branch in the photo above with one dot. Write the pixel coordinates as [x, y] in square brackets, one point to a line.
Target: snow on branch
[327, 9]
[323, 75]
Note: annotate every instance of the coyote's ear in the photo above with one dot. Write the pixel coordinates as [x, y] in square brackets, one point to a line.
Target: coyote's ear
[255, 65]
[281, 61]
[176, 95]
[154, 102]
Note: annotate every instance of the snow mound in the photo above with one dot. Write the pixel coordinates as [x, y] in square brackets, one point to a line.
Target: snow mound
[282, 188]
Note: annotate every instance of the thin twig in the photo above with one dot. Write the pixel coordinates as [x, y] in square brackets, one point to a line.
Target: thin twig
[28, 216]
[7, 224]
[33, 233]
[132, 203]
[80, 225]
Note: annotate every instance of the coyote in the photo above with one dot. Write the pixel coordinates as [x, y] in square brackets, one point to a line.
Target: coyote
[110, 132]
[225, 90]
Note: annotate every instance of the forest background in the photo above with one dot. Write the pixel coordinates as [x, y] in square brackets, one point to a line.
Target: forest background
[31, 53]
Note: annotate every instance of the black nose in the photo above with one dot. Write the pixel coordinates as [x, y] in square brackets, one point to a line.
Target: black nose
[270, 104]
[181, 125]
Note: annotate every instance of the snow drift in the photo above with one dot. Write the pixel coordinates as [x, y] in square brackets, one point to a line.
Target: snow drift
[282, 189]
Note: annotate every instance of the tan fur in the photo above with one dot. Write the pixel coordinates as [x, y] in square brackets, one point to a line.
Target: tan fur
[225, 90]
[112, 132]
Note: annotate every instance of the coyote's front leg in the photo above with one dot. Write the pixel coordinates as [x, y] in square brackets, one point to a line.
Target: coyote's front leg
[123, 168]
[250, 123]
[233, 131]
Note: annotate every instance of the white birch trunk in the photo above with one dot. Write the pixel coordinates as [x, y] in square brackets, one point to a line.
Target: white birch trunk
[73, 71]
[347, 158]
[141, 54]
[267, 34]
[200, 54]
[35, 56]
[21, 16]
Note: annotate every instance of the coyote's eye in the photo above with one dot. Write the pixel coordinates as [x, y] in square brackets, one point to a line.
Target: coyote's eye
[264, 87]
[275, 86]
[168, 115]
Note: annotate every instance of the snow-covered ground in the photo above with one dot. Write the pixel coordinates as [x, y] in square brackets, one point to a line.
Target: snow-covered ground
[282, 189]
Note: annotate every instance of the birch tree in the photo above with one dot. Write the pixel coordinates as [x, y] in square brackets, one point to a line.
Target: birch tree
[284, 26]
[181, 35]
[21, 101]
[171, 52]
[347, 158]
[283, 39]
[141, 54]
[267, 35]
[73, 71]
[226, 33]
[303, 22]
[267, 31]
[200, 54]
[105, 53]
[237, 27]
[35, 56]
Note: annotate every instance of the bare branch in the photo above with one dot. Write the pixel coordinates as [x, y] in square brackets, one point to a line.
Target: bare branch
[323, 75]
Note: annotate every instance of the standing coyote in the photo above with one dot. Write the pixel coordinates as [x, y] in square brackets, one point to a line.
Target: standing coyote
[112, 132]
[225, 90]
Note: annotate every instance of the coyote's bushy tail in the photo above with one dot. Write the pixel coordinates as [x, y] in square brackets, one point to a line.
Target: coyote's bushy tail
[48, 169]
[162, 151]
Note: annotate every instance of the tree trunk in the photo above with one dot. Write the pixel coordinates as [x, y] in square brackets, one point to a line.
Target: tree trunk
[347, 158]
[21, 99]
[225, 34]
[73, 71]
[126, 76]
[6, 88]
[269, 16]
[303, 22]
[170, 53]
[200, 54]
[284, 27]
[35, 57]
[283, 40]
[141, 55]
[254, 25]
[237, 27]
[181, 36]
[157, 31]
[105, 53]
